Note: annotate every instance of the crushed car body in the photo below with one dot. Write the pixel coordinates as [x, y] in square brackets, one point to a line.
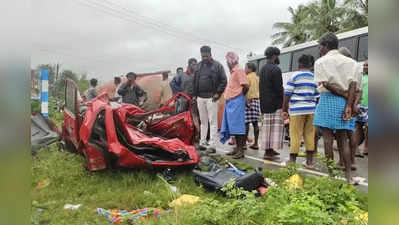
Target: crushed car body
[109, 134]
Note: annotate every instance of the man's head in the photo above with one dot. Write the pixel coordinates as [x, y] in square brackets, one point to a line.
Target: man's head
[328, 42]
[192, 64]
[273, 54]
[345, 51]
[131, 76]
[117, 81]
[250, 67]
[179, 70]
[206, 54]
[165, 75]
[306, 62]
[231, 59]
[93, 82]
[366, 67]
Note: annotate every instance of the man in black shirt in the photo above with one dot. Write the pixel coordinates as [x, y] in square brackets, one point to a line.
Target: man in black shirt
[130, 91]
[271, 100]
[209, 83]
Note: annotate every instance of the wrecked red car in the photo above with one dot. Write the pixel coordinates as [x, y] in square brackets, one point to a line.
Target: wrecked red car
[109, 134]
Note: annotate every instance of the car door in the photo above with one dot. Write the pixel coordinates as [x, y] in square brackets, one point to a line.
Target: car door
[71, 114]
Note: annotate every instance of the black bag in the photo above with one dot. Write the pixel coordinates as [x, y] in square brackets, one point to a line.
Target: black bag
[250, 181]
[216, 179]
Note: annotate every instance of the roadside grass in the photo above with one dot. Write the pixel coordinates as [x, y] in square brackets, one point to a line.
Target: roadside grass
[70, 183]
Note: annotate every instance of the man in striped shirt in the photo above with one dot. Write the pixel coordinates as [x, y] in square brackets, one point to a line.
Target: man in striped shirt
[299, 106]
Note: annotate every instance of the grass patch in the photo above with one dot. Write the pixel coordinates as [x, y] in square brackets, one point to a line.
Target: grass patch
[322, 201]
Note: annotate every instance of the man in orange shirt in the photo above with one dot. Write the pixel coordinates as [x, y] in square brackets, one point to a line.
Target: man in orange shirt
[234, 110]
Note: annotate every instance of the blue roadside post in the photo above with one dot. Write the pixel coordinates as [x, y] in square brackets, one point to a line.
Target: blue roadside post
[44, 98]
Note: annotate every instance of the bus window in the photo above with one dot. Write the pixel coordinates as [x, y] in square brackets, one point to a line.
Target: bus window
[363, 49]
[285, 62]
[351, 44]
[314, 51]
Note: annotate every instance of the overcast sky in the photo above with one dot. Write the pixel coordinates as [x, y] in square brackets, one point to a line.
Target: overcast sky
[105, 38]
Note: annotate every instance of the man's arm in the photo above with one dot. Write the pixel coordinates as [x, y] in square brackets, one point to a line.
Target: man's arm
[277, 79]
[287, 97]
[222, 80]
[351, 99]
[335, 89]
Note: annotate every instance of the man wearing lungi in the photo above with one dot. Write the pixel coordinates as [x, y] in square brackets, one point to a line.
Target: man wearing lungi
[271, 101]
[233, 122]
[337, 75]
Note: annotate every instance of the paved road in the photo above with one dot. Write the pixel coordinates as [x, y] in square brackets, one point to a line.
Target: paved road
[256, 158]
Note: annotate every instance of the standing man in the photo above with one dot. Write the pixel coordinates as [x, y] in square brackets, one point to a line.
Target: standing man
[184, 83]
[234, 110]
[335, 72]
[209, 83]
[271, 102]
[131, 92]
[166, 91]
[118, 83]
[92, 92]
[299, 106]
[362, 119]
[175, 83]
[252, 111]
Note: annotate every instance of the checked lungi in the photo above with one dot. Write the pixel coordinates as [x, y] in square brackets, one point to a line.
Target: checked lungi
[329, 113]
[252, 113]
[273, 129]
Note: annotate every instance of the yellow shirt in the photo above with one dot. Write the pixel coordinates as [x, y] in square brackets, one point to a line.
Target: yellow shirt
[253, 81]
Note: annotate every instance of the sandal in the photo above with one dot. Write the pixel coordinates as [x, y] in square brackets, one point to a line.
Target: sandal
[304, 164]
[254, 147]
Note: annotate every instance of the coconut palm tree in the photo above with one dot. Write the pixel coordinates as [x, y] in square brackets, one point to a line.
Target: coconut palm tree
[325, 16]
[294, 32]
[356, 15]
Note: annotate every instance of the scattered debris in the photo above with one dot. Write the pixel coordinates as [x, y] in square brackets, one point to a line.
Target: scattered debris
[43, 132]
[184, 200]
[72, 207]
[121, 217]
[43, 183]
[294, 182]
[217, 177]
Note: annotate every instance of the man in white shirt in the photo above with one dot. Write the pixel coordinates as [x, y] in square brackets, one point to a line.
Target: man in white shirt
[336, 75]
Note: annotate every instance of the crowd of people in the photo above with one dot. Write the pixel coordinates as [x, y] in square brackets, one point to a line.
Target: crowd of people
[325, 98]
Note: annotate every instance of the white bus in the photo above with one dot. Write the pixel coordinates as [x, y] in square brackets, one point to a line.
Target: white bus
[356, 41]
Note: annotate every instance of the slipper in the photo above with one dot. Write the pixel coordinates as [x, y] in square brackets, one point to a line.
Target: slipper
[232, 142]
[254, 147]
[359, 155]
[354, 182]
[271, 157]
[365, 154]
[307, 166]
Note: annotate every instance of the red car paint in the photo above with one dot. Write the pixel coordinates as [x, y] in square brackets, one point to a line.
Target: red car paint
[104, 126]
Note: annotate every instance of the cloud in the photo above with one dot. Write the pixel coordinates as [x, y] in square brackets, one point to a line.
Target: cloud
[106, 38]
